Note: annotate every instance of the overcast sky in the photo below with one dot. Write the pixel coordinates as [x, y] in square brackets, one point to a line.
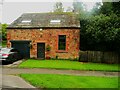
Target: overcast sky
[12, 9]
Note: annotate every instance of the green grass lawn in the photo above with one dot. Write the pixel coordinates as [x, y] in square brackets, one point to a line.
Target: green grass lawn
[66, 64]
[70, 81]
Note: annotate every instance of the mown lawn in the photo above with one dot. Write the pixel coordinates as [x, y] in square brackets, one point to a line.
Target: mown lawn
[70, 81]
[66, 64]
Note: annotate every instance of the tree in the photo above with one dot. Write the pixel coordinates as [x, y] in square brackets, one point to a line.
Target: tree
[4, 31]
[77, 6]
[0, 33]
[58, 7]
[80, 9]
[116, 8]
[96, 8]
[100, 28]
[106, 8]
[69, 9]
[100, 32]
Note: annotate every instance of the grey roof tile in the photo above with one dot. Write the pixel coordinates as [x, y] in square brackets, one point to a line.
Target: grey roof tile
[43, 20]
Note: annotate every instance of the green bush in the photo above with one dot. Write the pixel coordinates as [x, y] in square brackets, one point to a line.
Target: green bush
[100, 32]
[4, 31]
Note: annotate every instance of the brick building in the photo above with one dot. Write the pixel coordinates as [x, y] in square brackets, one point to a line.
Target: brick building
[45, 35]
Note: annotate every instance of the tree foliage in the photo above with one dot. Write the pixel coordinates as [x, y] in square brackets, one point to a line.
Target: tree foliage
[100, 33]
[69, 9]
[100, 28]
[79, 8]
[58, 7]
[107, 8]
[4, 32]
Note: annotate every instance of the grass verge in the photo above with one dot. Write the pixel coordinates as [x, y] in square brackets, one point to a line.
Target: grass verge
[66, 64]
[69, 81]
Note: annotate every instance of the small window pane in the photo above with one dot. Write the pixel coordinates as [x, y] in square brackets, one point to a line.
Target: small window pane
[62, 42]
[55, 22]
[26, 21]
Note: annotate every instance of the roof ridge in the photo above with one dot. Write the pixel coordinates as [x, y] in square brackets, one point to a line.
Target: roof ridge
[58, 13]
[43, 20]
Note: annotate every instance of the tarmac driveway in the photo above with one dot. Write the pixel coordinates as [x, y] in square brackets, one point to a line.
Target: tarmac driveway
[11, 81]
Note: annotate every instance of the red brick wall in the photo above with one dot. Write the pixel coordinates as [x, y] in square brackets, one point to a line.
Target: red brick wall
[49, 37]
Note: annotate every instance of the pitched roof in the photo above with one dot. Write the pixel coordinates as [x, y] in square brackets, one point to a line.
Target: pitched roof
[31, 20]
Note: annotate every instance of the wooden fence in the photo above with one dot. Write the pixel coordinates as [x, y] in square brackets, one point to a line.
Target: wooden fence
[99, 57]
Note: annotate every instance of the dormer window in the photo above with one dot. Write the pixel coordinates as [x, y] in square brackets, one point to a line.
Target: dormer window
[55, 21]
[26, 21]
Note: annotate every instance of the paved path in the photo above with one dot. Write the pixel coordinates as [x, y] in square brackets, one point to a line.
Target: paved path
[12, 69]
[0, 77]
[12, 81]
[54, 71]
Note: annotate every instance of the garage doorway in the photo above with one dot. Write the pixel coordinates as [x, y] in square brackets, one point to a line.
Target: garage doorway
[23, 47]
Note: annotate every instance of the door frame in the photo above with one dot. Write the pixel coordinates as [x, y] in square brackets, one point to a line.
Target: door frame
[37, 49]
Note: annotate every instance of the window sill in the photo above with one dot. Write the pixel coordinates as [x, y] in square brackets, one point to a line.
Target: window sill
[61, 51]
